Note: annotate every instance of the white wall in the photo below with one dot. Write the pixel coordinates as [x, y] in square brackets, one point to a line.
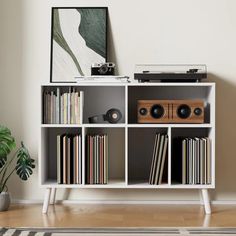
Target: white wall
[153, 31]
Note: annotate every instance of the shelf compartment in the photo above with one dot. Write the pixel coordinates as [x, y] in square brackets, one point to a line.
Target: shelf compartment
[159, 92]
[99, 99]
[177, 135]
[116, 152]
[140, 153]
[49, 151]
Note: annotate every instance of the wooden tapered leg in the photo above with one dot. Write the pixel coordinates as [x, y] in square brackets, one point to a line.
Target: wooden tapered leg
[46, 200]
[53, 196]
[206, 201]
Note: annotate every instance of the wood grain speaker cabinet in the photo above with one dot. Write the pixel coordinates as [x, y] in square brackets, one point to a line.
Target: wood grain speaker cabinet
[170, 111]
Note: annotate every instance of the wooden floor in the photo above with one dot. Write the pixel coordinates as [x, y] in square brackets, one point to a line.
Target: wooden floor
[118, 216]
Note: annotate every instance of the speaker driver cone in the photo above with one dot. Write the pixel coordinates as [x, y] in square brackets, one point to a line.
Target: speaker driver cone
[157, 111]
[184, 111]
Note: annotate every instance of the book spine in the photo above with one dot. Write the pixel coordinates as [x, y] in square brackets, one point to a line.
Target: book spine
[58, 106]
[44, 107]
[164, 156]
[80, 159]
[91, 160]
[208, 161]
[76, 108]
[59, 159]
[65, 107]
[62, 109]
[64, 159]
[68, 108]
[68, 160]
[72, 107]
[81, 104]
[153, 157]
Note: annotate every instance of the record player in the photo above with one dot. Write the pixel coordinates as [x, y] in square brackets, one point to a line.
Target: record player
[170, 73]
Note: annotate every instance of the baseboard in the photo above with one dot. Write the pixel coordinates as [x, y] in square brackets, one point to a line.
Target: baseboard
[131, 202]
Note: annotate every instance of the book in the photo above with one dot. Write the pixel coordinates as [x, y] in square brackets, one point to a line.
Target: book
[97, 159]
[163, 159]
[63, 107]
[196, 161]
[157, 137]
[65, 96]
[158, 159]
[209, 172]
[64, 162]
[59, 159]
[81, 107]
[58, 96]
[184, 160]
[69, 159]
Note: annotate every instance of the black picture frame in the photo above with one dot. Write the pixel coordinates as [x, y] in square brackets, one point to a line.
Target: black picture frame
[51, 39]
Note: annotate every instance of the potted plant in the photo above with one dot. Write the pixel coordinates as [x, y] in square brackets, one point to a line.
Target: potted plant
[20, 163]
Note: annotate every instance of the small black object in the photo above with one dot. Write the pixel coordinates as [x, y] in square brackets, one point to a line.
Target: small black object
[192, 71]
[112, 116]
[103, 69]
[184, 111]
[197, 111]
[143, 111]
[157, 111]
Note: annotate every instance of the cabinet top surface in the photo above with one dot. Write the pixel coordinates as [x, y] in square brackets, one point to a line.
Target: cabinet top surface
[211, 84]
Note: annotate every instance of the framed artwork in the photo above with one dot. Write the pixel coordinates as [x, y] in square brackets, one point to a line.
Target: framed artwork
[78, 39]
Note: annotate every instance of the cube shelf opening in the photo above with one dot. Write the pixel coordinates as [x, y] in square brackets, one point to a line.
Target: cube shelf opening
[49, 151]
[140, 153]
[116, 152]
[160, 92]
[192, 158]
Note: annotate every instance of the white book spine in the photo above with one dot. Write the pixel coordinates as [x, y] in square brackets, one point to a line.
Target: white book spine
[68, 107]
[58, 106]
[51, 108]
[81, 106]
[65, 107]
[76, 107]
[62, 109]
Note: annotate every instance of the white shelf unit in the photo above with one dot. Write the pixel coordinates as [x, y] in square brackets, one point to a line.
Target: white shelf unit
[131, 144]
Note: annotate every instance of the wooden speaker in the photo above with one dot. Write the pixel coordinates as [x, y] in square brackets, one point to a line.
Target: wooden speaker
[170, 111]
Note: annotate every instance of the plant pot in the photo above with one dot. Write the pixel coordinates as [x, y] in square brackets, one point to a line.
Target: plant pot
[5, 201]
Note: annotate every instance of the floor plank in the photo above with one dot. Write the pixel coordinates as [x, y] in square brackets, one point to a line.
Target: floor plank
[118, 216]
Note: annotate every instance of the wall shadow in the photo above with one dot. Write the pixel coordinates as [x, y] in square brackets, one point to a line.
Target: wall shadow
[111, 50]
[11, 77]
[225, 138]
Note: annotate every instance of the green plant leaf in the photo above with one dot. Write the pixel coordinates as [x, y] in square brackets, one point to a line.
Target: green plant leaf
[7, 144]
[24, 164]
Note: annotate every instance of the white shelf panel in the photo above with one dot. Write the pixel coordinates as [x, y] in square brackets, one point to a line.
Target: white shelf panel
[209, 84]
[133, 83]
[83, 125]
[147, 185]
[104, 125]
[61, 125]
[191, 186]
[169, 125]
[74, 84]
[111, 184]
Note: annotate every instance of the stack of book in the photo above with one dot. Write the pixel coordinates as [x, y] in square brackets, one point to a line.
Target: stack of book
[158, 159]
[63, 108]
[69, 159]
[97, 159]
[196, 161]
